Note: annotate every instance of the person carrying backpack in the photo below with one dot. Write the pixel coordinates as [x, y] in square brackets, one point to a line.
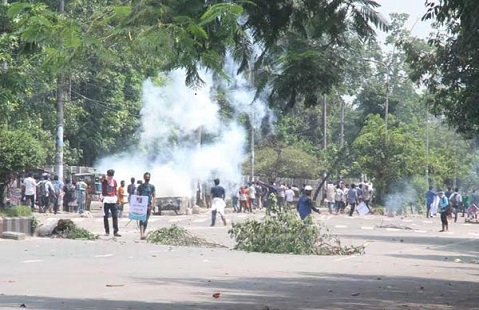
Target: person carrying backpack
[455, 201]
[47, 193]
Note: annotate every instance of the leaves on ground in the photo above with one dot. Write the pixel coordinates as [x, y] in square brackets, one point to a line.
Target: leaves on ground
[178, 236]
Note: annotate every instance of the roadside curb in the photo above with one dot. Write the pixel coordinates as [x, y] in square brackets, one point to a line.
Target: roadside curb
[21, 224]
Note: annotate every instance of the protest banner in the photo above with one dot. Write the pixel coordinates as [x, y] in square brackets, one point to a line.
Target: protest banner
[138, 208]
[362, 208]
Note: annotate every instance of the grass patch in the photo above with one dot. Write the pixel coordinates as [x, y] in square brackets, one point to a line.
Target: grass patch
[16, 211]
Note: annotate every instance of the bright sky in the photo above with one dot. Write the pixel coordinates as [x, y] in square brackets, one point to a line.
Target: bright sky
[415, 9]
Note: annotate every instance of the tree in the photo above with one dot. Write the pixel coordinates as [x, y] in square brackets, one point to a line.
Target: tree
[388, 158]
[305, 45]
[449, 71]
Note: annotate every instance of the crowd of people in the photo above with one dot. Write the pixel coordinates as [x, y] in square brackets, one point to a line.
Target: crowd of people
[45, 194]
[450, 204]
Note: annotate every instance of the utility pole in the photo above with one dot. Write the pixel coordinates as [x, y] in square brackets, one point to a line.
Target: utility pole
[252, 141]
[341, 125]
[60, 115]
[5, 64]
[325, 116]
[386, 108]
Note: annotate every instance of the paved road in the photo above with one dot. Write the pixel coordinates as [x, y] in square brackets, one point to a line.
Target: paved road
[416, 268]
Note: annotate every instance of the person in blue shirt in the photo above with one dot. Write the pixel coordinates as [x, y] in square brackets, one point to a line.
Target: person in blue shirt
[305, 203]
[430, 195]
[146, 189]
[444, 210]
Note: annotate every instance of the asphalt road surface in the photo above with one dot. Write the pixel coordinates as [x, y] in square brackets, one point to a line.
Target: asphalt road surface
[408, 265]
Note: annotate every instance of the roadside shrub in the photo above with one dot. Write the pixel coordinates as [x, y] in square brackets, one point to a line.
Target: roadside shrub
[284, 232]
[16, 211]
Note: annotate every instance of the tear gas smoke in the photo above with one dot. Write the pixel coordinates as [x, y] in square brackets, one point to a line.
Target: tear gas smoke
[173, 118]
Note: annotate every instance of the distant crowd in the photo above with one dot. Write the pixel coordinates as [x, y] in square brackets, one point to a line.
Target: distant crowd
[450, 204]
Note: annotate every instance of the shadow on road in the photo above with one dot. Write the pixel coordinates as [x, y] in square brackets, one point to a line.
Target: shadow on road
[466, 246]
[306, 291]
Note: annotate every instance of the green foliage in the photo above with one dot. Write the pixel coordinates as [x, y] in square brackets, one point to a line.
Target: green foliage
[79, 233]
[449, 70]
[69, 230]
[19, 150]
[284, 232]
[272, 162]
[388, 157]
[16, 211]
[178, 236]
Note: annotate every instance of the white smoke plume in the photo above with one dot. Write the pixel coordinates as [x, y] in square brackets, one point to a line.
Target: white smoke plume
[171, 118]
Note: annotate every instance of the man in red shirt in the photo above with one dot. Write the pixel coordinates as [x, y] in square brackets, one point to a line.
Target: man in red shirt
[110, 198]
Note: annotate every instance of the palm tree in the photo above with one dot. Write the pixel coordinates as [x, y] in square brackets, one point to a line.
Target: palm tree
[305, 44]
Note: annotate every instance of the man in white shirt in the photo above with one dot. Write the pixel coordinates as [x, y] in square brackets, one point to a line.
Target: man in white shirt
[289, 196]
[281, 195]
[30, 188]
[252, 195]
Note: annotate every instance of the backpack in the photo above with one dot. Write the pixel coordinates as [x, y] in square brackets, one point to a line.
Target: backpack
[453, 199]
[42, 185]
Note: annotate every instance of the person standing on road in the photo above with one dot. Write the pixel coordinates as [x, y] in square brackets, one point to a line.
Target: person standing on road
[57, 185]
[352, 198]
[330, 196]
[47, 193]
[121, 198]
[110, 198]
[217, 198]
[146, 189]
[430, 195]
[30, 188]
[289, 196]
[305, 204]
[455, 201]
[81, 188]
[131, 189]
[444, 210]
[252, 195]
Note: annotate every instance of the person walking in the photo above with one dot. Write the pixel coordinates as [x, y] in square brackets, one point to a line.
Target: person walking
[217, 198]
[47, 193]
[305, 204]
[110, 198]
[443, 210]
[146, 189]
[30, 188]
[352, 199]
[338, 199]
